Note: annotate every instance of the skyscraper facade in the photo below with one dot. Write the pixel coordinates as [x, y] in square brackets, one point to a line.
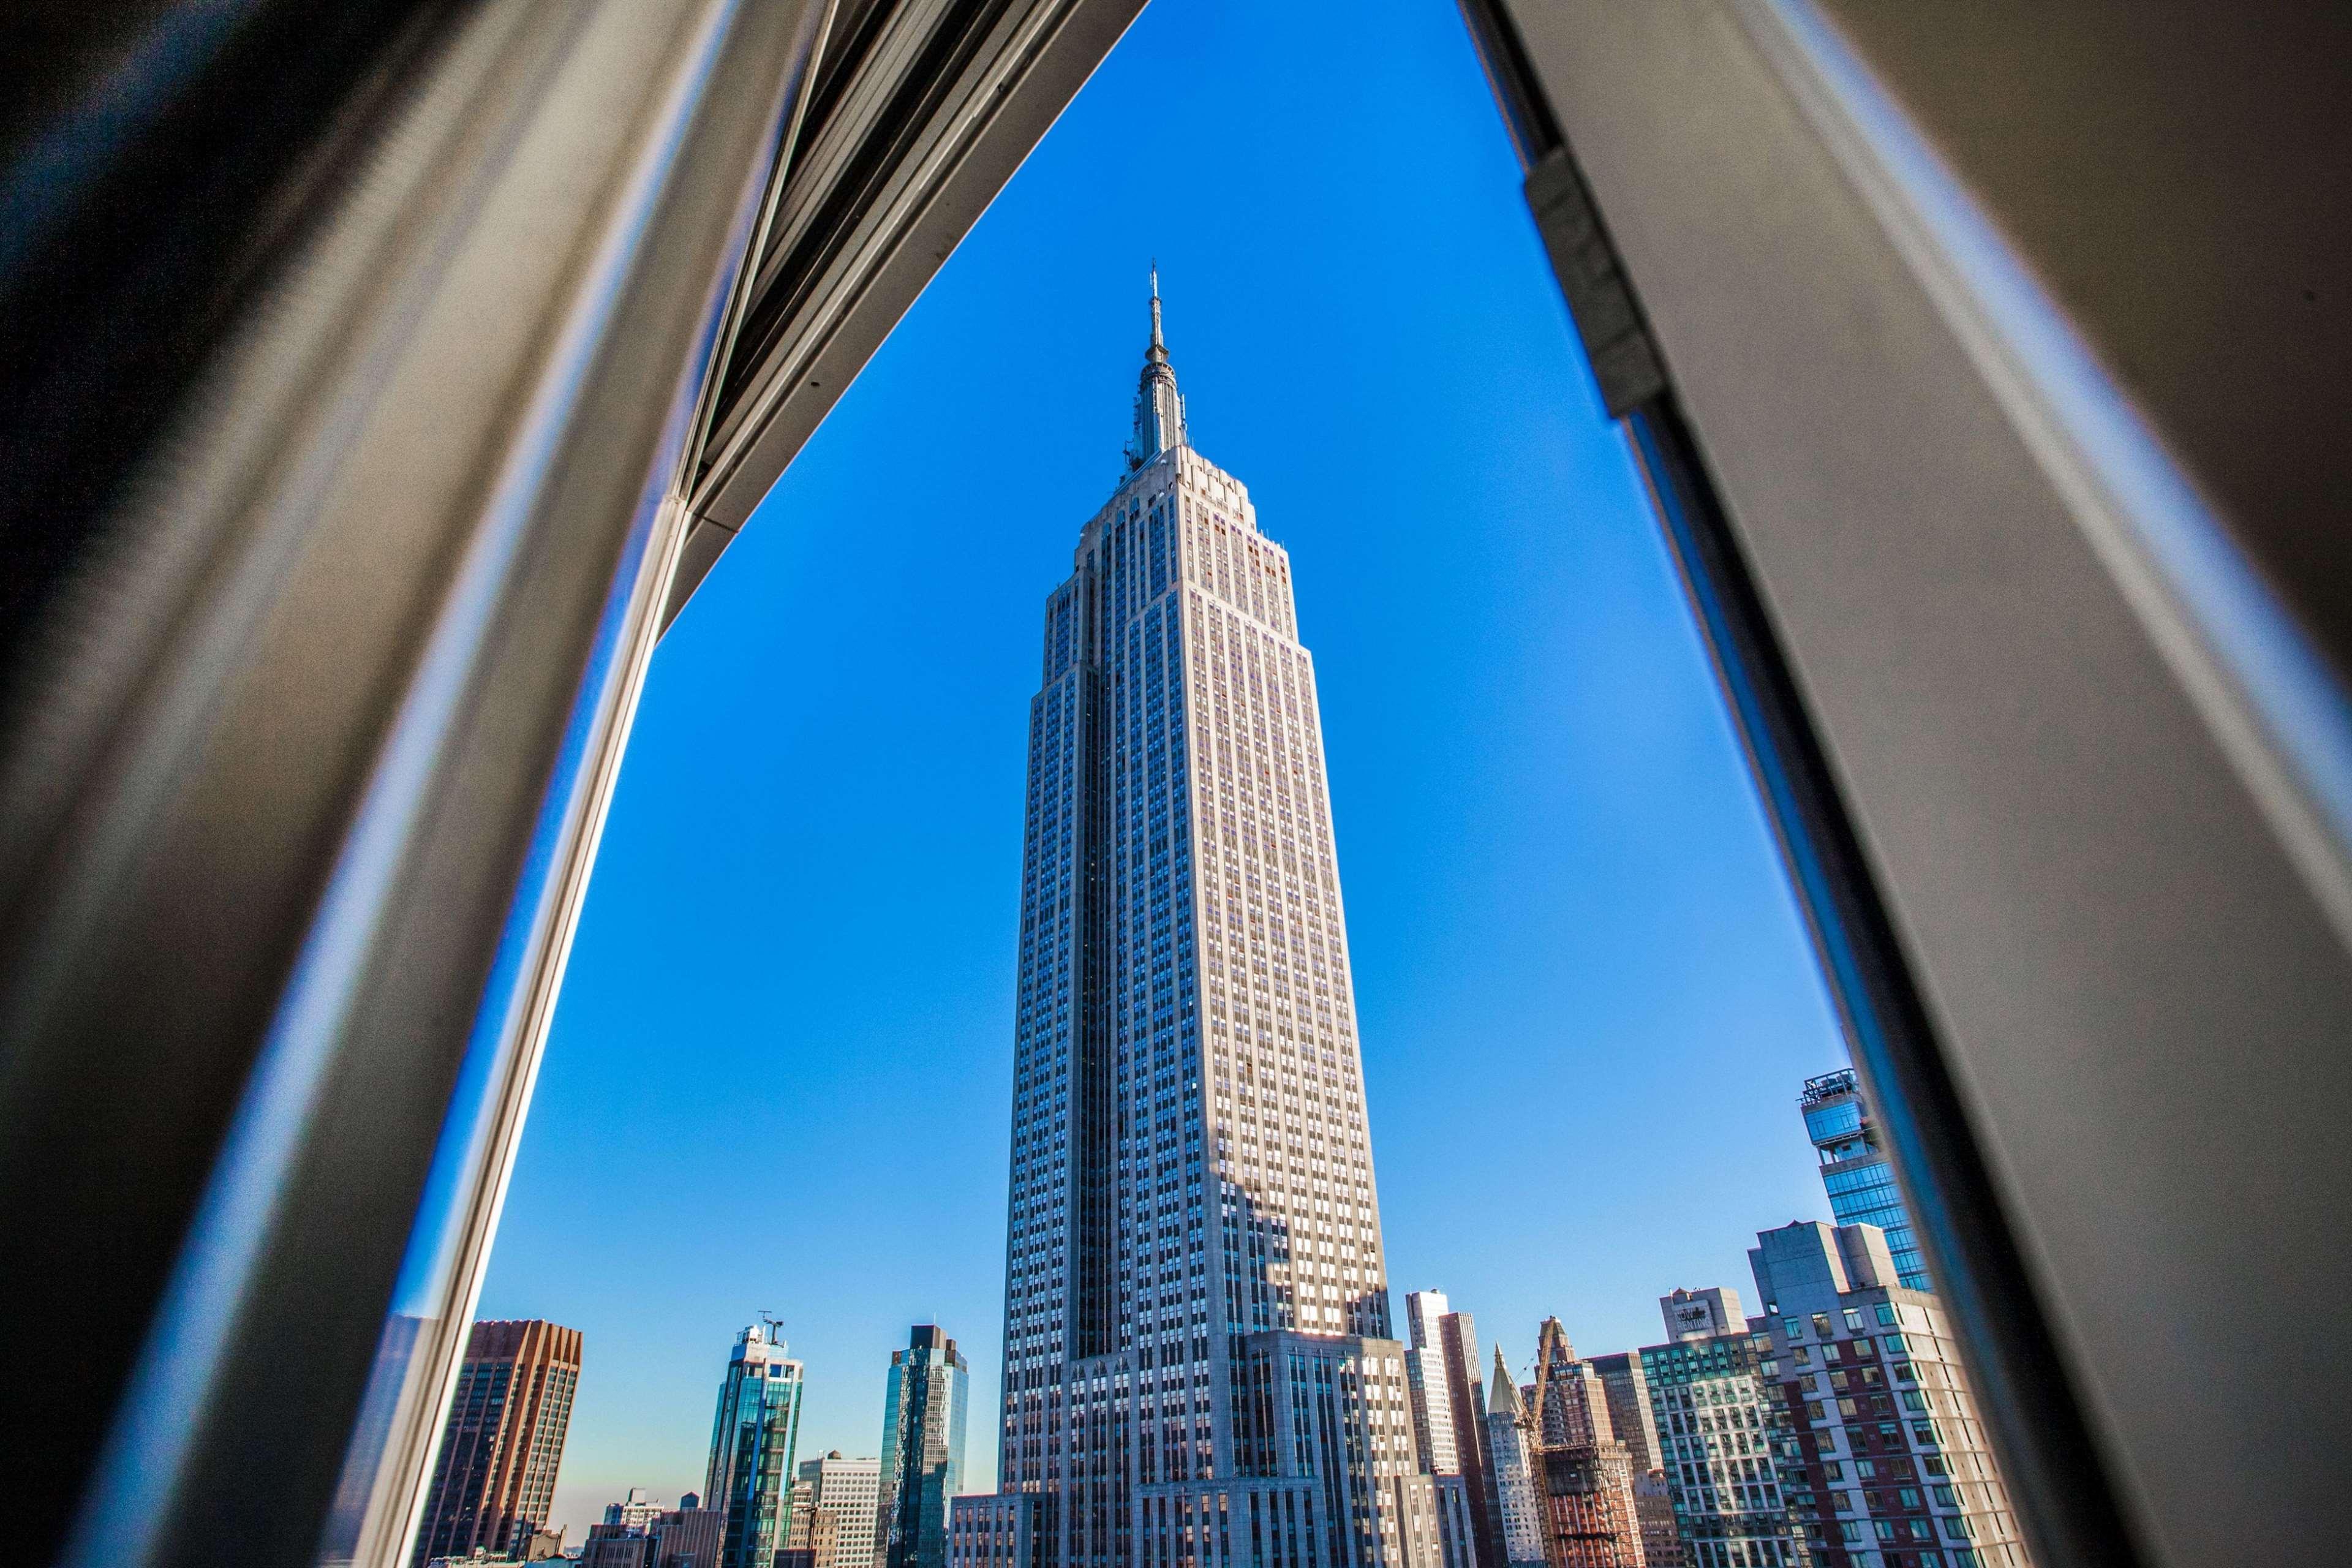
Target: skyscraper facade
[494, 1478]
[921, 1466]
[1897, 1470]
[1196, 1304]
[1858, 1172]
[751, 1440]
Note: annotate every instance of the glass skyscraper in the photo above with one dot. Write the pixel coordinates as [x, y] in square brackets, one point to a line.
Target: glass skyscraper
[752, 1448]
[923, 1415]
[1858, 1174]
[1196, 1306]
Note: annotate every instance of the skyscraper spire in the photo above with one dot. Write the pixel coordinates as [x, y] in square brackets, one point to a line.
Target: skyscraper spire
[1158, 353]
[1504, 1399]
[1158, 407]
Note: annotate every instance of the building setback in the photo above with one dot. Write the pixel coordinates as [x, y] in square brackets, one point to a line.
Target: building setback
[1858, 1175]
[1197, 1337]
[1897, 1472]
[494, 1479]
[751, 1440]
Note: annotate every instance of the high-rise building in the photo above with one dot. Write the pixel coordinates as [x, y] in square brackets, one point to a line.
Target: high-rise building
[1458, 1340]
[1897, 1468]
[1196, 1300]
[751, 1440]
[847, 1492]
[1510, 1473]
[921, 1465]
[494, 1478]
[1449, 1421]
[1857, 1172]
[1627, 1387]
[1723, 1435]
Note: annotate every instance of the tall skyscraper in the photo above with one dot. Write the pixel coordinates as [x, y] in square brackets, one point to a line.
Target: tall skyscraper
[1196, 1305]
[922, 1450]
[1857, 1172]
[494, 1479]
[751, 1440]
[1893, 1465]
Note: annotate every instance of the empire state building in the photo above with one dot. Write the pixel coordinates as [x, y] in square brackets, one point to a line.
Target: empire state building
[1197, 1363]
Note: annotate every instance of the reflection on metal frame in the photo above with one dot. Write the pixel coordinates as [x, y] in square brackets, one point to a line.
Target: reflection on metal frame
[2051, 1465]
[918, 114]
[351, 659]
[1998, 458]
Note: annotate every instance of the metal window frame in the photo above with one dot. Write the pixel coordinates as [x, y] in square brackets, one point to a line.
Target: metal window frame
[2052, 737]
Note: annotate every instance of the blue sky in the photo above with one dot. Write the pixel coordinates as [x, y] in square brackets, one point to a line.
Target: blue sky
[780, 1077]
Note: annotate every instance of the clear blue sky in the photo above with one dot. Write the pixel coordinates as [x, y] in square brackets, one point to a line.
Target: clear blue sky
[781, 1073]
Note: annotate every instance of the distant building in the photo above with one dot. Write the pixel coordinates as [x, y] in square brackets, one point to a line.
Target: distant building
[1510, 1475]
[538, 1546]
[494, 1481]
[1628, 1389]
[618, 1546]
[635, 1511]
[689, 1537]
[1723, 1436]
[1857, 1172]
[1896, 1472]
[1426, 1379]
[921, 1467]
[665, 1538]
[1449, 1419]
[847, 1493]
[751, 1440]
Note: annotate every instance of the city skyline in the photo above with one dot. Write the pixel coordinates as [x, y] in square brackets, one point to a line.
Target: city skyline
[1564, 870]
